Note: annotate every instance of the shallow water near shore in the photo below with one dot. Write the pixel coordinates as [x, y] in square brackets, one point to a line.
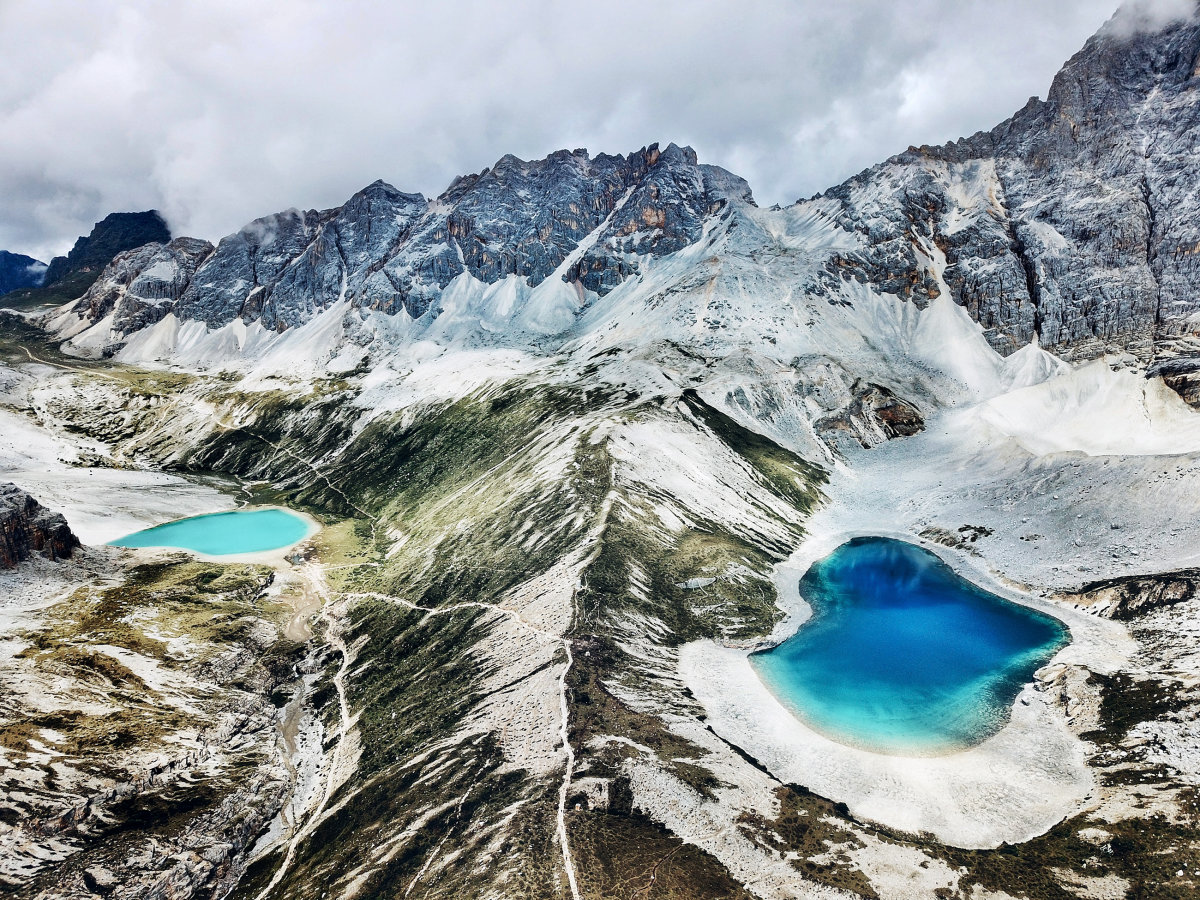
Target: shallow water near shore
[225, 533]
[904, 656]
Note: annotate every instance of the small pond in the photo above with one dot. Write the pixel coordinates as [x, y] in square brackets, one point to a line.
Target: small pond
[225, 533]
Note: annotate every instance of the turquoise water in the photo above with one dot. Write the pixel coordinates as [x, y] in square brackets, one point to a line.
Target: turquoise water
[902, 655]
[226, 533]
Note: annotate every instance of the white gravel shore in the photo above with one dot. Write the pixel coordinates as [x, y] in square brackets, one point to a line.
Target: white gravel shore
[1033, 772]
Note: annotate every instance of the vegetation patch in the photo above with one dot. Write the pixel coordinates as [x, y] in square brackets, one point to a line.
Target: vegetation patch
[1126, 702]
[788, 474]
[207, 604]
[631, 856]
[810, 828]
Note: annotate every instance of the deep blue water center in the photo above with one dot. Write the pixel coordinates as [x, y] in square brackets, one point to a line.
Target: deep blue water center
[902, 655]
[226, 533]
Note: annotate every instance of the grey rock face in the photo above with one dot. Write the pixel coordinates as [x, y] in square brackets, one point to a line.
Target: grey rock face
[664, 213]
[1181, 374]
[1075, 221]
[523, 218]
[920, 216]
[27, 527]
[874, 415]
[141, 286]
[241, 273]
[99, 880]
[391, 251]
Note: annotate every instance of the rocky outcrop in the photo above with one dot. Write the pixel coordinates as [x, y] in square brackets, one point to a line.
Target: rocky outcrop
[664, 212]
[1074, 221]
[1182, 375]
[115, 233]
[99, 880]
[142, 285]
[1131, 596]
[69, 277]
[27, 527]
[18, 271]
[874, 415]
[962, 538]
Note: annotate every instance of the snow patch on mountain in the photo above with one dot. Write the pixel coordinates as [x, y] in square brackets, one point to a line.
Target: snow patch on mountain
[1098, 411]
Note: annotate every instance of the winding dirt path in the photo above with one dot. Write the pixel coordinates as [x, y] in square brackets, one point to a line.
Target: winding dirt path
[317, 596]
[341, 762]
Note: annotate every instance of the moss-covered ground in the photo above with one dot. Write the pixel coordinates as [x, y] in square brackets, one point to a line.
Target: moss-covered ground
[465, 501]
[473, 498]
[143, 750]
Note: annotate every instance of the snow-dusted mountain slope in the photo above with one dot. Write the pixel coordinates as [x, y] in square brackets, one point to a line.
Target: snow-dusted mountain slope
[1073, 223]
[585, 223]
[574, 431]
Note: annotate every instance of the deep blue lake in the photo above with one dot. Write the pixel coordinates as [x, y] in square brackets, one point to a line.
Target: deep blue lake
[225, 533]
[904, 656]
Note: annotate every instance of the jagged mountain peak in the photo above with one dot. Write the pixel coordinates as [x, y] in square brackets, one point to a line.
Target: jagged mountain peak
[673, 153]
[68, 277]
[1072, 224]
[511, 167]
[1134, 54]
[382, 190]
[111, 235]
[390, 251]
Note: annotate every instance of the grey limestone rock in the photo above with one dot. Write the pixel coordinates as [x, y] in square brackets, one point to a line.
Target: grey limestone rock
[1131, 596]
[391, 251]
[1075, 223]
[874, 415]
[1181, 374]
[27, 527]
[237, 279]
[141, 286]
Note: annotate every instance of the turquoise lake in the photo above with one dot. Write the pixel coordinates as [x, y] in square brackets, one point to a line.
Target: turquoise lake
[904, 656]
[225, 533]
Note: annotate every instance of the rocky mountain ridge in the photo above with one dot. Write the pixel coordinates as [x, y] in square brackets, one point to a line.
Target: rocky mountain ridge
[67, 277]
[1073, 221]
[1070, 224]
[113, 234]
[394, 252]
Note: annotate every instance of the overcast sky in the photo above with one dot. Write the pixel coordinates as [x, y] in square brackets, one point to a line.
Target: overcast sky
[219, 111]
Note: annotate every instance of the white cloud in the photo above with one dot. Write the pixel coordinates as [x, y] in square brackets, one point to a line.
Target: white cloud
[1136, 16]
[222, 111]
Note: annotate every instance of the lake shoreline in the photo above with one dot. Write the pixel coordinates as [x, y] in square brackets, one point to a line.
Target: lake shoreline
[903, 655]
[1012, 787]
[275, 557]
